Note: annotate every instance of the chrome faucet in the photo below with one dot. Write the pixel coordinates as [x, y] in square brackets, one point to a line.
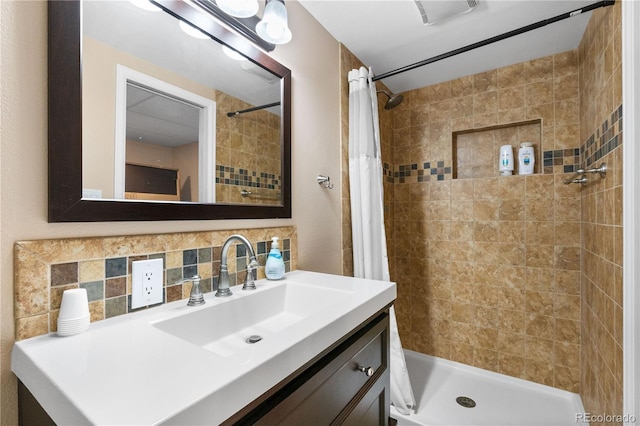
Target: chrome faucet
[195, 297]
[252, 267]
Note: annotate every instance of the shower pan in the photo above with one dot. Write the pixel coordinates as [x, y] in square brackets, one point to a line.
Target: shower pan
[451, 393]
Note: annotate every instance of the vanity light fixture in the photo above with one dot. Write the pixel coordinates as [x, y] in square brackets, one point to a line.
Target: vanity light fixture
[274, 26]
[193, 32]
[233, 54]
[239, 8]
[145, 5]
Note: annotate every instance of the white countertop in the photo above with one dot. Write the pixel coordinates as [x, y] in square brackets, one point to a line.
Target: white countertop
[125, 371]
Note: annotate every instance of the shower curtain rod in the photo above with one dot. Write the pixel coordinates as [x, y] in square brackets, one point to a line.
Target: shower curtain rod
[494, 39]
[256, 108]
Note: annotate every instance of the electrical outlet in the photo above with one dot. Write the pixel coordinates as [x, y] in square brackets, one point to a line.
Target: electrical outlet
[146, 283]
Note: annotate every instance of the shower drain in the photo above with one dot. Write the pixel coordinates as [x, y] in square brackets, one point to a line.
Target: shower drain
[466, 402]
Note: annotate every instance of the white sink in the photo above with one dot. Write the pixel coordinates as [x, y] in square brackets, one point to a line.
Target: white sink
[190, 364]
[224, 328]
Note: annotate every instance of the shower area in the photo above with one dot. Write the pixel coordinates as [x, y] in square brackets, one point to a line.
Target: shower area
[517, 275]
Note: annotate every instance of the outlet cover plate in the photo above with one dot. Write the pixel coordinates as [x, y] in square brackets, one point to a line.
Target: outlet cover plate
[146, 283]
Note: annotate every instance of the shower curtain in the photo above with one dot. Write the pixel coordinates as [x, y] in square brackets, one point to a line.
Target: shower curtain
[367, 218]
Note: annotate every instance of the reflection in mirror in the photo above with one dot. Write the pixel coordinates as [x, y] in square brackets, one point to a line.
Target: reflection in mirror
[160, 126]
[233, 158]
[153, 152]
[81, 101]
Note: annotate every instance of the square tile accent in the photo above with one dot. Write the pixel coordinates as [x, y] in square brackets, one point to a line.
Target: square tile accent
[561, 161]
[115, 267]
[190, 257]
[64, 273]
[204, 255]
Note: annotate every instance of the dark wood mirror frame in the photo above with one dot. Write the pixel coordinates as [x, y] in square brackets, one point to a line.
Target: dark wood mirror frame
[65, 128]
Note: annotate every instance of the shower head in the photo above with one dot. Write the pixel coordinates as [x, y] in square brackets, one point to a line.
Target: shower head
[393, 101]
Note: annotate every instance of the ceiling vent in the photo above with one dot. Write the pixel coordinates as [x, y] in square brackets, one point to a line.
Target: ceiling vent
[436, 11]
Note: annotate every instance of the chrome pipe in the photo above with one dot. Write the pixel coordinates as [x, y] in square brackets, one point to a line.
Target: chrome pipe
[581, 180]
[601, 170]
[578, 174]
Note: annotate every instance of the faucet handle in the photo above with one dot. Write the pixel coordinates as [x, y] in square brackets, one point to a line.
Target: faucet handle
[195, 297]
[252, 272]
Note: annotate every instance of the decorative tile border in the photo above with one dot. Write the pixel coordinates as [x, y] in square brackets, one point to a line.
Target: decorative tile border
[606, 138]
[423, 172]
[44, 269]
[387, 172]
[242, 177]
[561, 161]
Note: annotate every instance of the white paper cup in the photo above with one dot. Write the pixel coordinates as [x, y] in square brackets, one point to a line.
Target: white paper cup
[73, 326]
[74, 304]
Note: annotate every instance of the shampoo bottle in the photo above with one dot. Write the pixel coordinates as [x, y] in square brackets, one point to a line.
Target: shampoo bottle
[274, 268]
[526, 158]
[506, 160]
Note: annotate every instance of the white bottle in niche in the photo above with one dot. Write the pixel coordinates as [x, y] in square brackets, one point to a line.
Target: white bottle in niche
[506, 160]
[526, 159]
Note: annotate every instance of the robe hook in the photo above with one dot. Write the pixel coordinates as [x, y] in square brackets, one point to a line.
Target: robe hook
[325, 181]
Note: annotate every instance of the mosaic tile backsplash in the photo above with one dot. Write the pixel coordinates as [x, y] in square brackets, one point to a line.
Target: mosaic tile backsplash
[46, 268]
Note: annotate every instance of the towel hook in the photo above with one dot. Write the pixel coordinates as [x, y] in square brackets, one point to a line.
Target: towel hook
[324, 181]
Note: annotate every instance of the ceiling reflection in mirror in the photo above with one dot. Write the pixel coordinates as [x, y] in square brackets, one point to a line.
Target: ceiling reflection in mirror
[137, 123]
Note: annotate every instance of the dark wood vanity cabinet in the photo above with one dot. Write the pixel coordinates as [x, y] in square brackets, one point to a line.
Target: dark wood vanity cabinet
[346, 385]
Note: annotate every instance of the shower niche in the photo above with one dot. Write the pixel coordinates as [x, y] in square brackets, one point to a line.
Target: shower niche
[476, 152]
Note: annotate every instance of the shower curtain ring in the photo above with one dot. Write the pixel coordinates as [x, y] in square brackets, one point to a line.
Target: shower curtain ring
[324, 181]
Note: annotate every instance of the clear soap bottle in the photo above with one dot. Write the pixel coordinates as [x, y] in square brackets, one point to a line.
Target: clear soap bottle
[274, 267]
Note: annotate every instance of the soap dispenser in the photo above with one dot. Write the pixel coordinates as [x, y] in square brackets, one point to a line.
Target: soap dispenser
[274, 268]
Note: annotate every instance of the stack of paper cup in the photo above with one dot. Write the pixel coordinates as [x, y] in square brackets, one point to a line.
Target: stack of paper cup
[74, 312]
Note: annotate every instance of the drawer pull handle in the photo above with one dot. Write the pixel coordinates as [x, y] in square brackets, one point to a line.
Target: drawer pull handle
[368, 371]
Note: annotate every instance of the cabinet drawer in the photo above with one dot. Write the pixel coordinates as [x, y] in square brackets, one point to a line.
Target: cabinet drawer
[336, 384]
[331, 397]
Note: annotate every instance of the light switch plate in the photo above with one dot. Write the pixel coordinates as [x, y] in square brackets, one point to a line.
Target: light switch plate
[146, 283]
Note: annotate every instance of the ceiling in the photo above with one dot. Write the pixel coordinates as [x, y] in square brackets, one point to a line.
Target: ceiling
[389, 34]
[161, 41]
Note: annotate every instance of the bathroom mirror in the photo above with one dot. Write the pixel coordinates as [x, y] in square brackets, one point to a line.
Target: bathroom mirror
[110, 81]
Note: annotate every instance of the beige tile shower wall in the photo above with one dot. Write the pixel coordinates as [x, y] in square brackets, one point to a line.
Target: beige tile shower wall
[488, 269]
[249, 141]
[45, 268]
[348, 62]
[601, 97]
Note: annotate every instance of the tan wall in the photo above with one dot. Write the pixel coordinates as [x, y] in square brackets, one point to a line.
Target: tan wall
[23, 156]
[99, 79]
[149, 154]
[186, 161]
[601, 284]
